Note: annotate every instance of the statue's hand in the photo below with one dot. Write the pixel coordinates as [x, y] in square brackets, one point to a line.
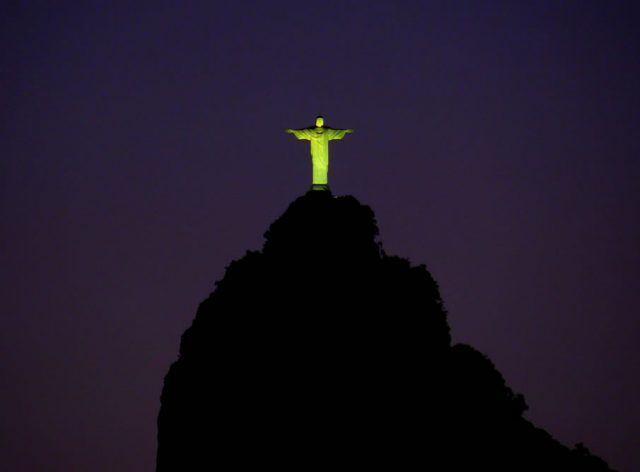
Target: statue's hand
[288, 130]
[348, 130]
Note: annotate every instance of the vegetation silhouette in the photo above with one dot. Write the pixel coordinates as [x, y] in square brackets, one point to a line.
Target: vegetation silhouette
[323, 351]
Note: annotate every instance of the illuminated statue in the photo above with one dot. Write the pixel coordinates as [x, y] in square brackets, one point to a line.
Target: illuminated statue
[319, 135]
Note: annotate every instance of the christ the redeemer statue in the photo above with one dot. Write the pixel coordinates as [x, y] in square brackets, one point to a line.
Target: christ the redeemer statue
[319, 135]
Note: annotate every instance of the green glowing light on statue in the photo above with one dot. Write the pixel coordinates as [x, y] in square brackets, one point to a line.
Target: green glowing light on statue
[319, 136]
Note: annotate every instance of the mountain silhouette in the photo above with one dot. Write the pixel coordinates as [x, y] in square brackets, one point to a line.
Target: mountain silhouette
[323, 351]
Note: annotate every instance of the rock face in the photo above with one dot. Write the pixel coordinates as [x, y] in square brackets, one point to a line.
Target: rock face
[322, 351]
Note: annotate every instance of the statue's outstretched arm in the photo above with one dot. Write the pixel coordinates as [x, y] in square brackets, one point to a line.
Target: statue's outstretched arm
[299, 133]
[338, 133]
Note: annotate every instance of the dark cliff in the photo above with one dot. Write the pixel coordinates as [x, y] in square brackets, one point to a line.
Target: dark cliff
[322, 351]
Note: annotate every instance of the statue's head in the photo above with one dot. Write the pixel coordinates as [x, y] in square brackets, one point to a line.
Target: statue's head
[319, 121]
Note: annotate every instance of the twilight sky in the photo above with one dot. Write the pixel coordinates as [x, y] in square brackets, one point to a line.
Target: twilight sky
[142, 149]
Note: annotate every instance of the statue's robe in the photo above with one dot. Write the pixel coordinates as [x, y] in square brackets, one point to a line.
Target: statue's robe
[319, 137]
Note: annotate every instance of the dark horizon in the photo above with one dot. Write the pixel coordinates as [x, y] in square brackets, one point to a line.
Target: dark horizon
[143, 150]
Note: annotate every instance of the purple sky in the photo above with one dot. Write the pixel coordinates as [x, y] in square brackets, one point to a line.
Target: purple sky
[142, 149]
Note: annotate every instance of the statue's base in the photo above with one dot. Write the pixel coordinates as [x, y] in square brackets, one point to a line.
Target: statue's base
[320, 188]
